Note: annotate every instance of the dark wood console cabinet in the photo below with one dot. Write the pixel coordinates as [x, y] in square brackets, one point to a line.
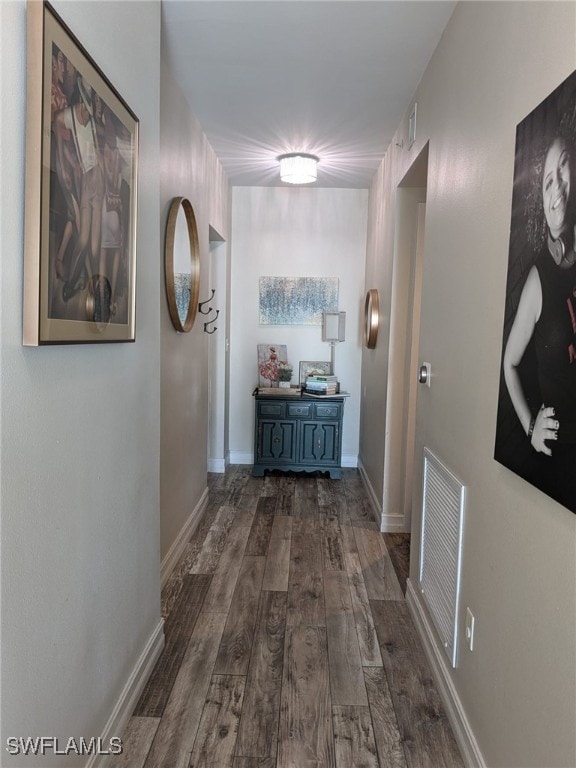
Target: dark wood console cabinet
[298, 433]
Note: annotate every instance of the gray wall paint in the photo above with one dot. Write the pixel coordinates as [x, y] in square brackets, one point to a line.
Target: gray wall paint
[190, 169]
[495, 63]
[80, 432]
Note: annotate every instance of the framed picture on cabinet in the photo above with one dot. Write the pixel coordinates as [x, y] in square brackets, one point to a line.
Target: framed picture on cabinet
[271, 357]
[313, 368]
[81, 193]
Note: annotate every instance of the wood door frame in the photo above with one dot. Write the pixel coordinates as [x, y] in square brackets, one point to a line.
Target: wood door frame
[403, 354]
[218, 374]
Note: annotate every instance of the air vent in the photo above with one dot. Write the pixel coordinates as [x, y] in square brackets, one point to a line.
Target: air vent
[441, 549]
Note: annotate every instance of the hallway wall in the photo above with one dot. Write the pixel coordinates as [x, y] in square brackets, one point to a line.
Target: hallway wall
[80, 433]
[188, 168]
[516, 692]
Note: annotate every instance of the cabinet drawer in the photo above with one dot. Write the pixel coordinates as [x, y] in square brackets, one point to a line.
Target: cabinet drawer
[300, 409]
[327, 410]
[272, 409]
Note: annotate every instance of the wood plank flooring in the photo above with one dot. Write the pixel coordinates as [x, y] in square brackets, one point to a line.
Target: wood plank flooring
[288, 640]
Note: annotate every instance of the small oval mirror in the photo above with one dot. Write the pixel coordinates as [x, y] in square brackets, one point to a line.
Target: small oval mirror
[182, 264]
[371, 318]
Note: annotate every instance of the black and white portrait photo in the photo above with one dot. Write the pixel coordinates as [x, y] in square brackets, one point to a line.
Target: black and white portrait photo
[536, 423]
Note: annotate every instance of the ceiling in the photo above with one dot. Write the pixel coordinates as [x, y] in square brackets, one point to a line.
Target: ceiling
[332, 78]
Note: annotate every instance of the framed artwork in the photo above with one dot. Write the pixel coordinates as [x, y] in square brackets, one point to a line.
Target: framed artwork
[536, 419]
[81, 193]
[313, 368]
[296, 300]
[270, 358]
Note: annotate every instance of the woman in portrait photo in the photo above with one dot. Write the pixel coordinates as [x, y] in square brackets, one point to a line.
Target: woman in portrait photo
[545, 317]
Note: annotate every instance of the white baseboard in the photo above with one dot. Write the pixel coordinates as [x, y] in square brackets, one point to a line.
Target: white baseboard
[438, 662]
[122, 712]
[241, 457]
[393, 524]
[175, 552]
[387, 523]
[349, 460]
[217, 465]
[374, 505]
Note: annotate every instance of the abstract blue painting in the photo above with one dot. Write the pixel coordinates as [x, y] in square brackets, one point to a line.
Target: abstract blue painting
[297, 300]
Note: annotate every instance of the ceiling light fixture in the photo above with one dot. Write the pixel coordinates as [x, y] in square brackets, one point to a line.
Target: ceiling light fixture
[298, 168]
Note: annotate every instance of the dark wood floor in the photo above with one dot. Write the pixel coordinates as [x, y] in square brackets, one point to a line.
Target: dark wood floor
[288, 640]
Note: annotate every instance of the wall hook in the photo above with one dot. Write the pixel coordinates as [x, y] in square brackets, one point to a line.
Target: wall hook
[207, 312]
[201, 304]
[209, 322]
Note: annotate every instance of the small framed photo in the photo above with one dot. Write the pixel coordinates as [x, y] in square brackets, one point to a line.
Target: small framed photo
[81, 190]
[313, 368]
[271, 357]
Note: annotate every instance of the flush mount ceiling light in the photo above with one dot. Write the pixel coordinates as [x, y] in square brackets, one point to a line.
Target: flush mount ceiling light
[298, 168]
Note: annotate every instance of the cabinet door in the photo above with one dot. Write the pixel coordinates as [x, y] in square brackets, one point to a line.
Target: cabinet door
[320, 442]
[277, 441]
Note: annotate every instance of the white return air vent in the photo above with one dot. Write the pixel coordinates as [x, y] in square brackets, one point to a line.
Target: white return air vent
[441, 549]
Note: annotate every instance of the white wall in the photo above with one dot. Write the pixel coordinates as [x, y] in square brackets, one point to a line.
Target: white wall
[217, 356]
[79, 433]
[295, 232]
[189, 168]
[517, 690]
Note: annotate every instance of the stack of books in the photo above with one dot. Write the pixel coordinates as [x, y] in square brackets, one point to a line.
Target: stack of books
[322, 385]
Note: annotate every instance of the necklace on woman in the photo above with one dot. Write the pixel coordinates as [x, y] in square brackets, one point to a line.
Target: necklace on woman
[563, 256]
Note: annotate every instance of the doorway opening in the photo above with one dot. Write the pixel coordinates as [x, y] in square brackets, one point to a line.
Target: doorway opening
[404, 357]
[218, 370]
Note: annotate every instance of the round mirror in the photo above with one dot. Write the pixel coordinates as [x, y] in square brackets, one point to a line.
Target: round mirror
[371, 318]
[182, 264]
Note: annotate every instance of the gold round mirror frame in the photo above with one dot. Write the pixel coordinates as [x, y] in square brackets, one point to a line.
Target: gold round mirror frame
[371, 318]
[176, 205]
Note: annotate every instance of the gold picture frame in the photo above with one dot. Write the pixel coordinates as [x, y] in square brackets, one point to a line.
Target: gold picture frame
[81, 193]
[182, 264]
